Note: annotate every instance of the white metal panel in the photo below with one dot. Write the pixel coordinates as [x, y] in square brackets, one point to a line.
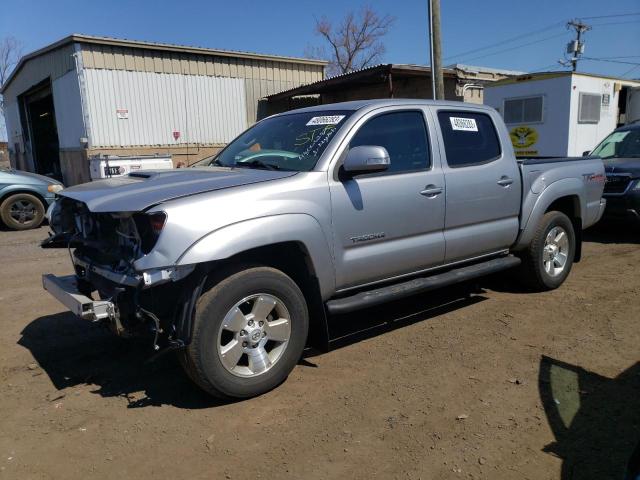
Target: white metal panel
[205, 110]
[551, 135]
[12, 121]
[4, 137]
[585, 136]
[68, 108]
[633, 105]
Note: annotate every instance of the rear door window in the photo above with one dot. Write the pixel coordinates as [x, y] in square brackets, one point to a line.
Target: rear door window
[403, 134]
[469, 138]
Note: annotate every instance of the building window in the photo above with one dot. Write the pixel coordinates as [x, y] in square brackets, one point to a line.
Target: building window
[589, 109]
[523, 110]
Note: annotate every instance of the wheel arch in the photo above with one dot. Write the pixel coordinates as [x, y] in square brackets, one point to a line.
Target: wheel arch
[292, 243]
[565, 196]
[570, 206]
[6, 194]
[293, 259]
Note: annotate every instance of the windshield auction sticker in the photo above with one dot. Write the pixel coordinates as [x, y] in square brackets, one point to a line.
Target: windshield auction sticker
[464, 124]
[325, 120]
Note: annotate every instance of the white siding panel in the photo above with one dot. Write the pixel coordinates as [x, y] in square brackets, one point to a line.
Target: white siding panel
[12, 118]
[205, 110]
[68, 108]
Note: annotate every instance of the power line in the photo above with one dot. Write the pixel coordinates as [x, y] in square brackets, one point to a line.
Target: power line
[614, 23]
[497, 44]
[611, 16]
[623, 56]
[543, 69]
[516, 47]
[609, 61]
[630, 70]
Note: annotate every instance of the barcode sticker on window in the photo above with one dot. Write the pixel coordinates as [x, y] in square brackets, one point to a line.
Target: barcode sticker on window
[464, 124]
[326, 120]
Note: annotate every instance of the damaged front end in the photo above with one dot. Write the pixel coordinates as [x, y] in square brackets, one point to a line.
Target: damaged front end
[106, 286]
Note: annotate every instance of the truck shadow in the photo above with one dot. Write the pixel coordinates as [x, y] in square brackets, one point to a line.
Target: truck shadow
[72, 352]
[357, 326]
[610, 232]
[595, 420]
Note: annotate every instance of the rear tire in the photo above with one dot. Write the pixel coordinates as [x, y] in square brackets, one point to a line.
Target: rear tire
[249, 332]
[22, 211]
[547, 261]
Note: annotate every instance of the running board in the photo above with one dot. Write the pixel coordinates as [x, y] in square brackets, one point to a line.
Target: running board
[397, 291]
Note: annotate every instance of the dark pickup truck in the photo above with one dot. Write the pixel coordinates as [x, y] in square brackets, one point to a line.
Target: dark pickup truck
[620, 152]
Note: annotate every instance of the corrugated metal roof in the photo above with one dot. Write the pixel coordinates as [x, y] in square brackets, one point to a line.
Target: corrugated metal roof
[395, 68]
[481, 69]
[559, 73]
[116, 42]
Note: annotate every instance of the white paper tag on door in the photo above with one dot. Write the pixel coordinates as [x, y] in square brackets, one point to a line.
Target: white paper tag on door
[464, 124]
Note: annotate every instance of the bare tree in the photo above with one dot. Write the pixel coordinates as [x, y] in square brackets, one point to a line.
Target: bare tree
[10, 53]
[354, 43]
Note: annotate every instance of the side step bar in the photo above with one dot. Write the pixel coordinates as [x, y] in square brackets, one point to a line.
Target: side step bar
[397, 291]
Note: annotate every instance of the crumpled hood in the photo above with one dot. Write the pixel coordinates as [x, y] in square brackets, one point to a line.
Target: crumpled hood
[140, 190]
[623, 165]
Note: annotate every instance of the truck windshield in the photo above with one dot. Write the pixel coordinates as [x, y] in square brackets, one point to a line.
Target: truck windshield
[624, 143]
[288, 142]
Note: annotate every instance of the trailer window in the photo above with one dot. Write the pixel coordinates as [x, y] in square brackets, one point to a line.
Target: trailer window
[469, 138]
[523, 110]
[589, 108]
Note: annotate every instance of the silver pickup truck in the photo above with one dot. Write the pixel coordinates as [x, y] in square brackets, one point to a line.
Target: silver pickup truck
[237, 263]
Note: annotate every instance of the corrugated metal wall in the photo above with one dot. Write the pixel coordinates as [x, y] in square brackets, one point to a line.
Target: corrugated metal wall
[261, 77]
[205, 110]
[68, 109]
[53, 64]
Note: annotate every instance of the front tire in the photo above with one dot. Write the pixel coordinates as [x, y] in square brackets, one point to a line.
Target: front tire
[249, 332]
[548, 260]
[22, 211]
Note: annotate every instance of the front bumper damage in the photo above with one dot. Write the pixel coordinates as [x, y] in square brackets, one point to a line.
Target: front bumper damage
[159, 301]
[65, 290]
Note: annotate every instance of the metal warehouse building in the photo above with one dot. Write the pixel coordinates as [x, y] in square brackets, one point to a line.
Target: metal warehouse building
[84, 96]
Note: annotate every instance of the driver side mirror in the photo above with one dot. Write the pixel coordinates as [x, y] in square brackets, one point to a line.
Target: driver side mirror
[367, 159]
[586, 153]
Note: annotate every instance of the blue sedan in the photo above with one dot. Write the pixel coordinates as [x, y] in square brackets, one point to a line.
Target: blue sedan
[25, 197]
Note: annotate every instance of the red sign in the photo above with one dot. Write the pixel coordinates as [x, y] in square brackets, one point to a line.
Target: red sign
[176, 135]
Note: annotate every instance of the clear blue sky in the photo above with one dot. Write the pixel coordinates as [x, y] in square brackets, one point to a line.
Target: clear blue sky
[286, 27]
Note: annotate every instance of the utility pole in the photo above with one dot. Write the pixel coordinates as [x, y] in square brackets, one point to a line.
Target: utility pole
[576, 47]
[436, 60]
[433, 77]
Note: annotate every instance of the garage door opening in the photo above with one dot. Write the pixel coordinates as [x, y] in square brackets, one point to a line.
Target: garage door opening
[43, 131]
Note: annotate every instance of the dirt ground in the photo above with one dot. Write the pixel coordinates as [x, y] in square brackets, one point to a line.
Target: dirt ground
[481, 381]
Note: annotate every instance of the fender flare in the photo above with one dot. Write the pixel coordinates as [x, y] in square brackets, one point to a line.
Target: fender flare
[567, 187]
[248, 234]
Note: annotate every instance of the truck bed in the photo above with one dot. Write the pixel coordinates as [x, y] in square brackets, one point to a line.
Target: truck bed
[547, 178]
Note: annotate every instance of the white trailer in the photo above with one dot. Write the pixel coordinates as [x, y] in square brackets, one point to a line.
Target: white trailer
[559, 113]
[107, 166]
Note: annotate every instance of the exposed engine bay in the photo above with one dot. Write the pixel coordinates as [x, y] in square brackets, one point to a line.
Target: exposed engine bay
[103, 248]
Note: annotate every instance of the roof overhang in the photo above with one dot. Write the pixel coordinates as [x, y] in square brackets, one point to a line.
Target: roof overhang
[365, 76]
[164, 47]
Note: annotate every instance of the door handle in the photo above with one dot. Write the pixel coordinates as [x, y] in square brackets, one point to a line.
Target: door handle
[505, 181]
[431, 191]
